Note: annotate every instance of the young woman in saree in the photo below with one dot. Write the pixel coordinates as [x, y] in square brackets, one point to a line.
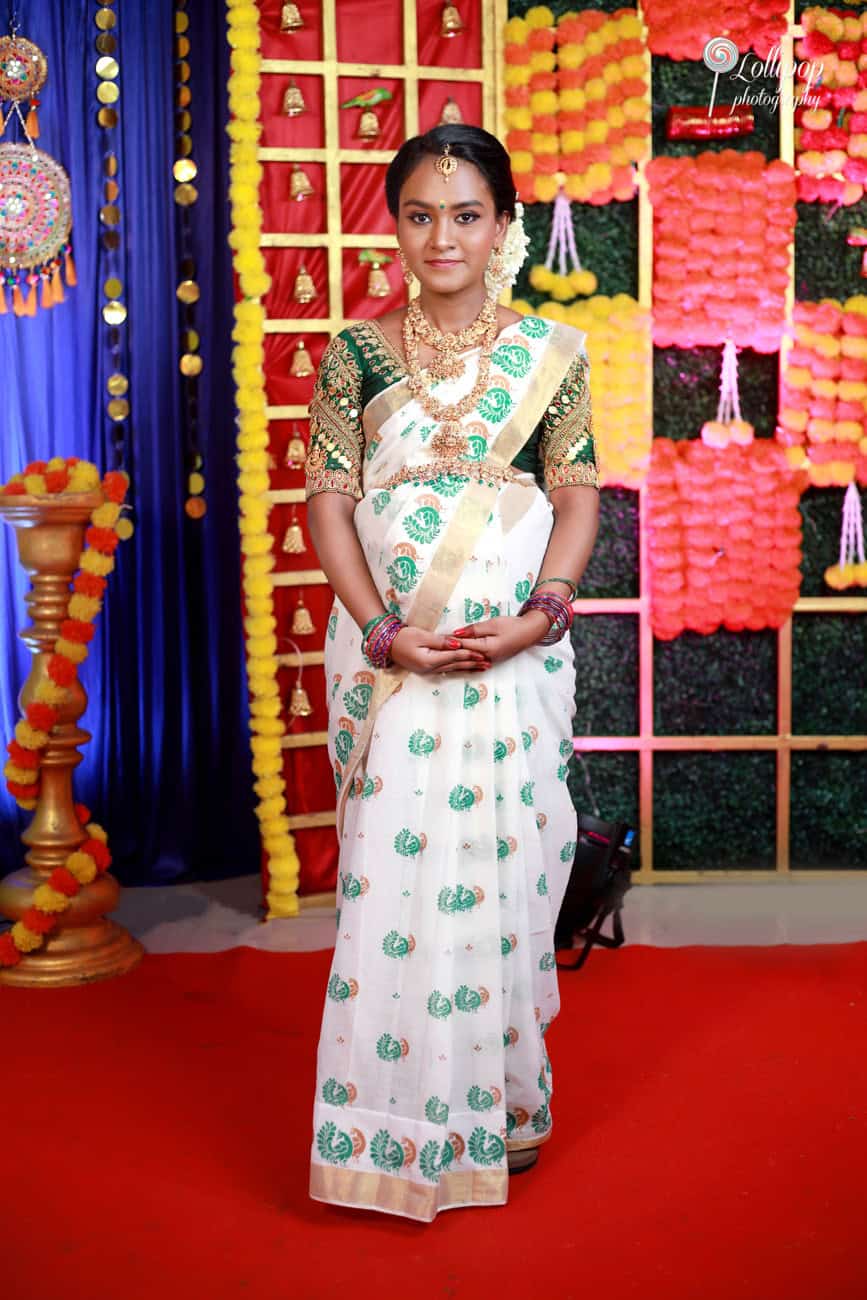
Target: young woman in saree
[450, 685]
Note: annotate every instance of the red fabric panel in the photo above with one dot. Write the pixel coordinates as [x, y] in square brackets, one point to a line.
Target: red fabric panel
[362, 200]
[279, 131]
[356, 303]
[282, 213]
[461, 51]
[283, 265]
[305, 43]
[390, 113]
[318, 851]
[369, 31]
[432, 95]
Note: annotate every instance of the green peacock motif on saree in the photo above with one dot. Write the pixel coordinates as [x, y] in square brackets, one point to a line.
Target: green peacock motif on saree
[547, 961]
[407, 844]
[479, 1098]
[513, 359]
[403, 573]
[477, 447]
[461, 798]
[542, 885]
[567, 852]
[439, 1006]
[552, 664]
[436, 1111]
[332, 626]
[494, 405]
[396, 945]
[485, 1148]
[386, 1152]
[423, 525]
[344, 743]
[357, 701]
[542, 1119]
[388, 1048]
[467, 999]
[534, 327]
[435, 1159]
[380, 501]
[522, 593]
[333, 1144]
[336, 1094]
[458, 899]
[472, 695]
[339, 990]
[527, 793]
[421, 744]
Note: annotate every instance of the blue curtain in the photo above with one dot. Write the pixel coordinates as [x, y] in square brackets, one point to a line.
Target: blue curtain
[168, 769]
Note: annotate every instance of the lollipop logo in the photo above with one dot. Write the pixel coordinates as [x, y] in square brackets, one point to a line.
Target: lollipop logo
[720, 54]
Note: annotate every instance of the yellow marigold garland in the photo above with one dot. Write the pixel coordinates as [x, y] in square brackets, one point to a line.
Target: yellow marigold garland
[266, 721]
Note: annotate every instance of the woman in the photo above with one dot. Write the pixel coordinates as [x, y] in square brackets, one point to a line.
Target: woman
[450, 723]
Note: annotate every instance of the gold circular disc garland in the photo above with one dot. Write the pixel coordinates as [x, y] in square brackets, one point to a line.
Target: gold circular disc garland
[111, 256]
[184, 172]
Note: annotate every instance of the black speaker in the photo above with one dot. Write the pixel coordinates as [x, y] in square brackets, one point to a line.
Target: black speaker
[600, 876]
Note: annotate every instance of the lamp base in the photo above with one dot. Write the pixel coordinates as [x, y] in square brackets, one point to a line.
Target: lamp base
[85, 947]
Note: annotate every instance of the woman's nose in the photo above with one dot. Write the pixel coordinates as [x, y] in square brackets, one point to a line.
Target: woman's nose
[441, 235]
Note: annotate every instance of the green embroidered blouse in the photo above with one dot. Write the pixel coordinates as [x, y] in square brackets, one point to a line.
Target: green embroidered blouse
[360, 362]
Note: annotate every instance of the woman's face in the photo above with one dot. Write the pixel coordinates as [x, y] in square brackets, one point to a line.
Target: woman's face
[447, 228]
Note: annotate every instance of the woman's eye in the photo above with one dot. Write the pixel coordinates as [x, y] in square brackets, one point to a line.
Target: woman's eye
[417, 217]
[471, 216]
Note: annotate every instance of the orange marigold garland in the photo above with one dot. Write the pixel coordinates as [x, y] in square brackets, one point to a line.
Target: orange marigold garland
[532, 103]
[54, 478]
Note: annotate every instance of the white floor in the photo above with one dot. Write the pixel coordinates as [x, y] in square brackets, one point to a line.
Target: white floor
[227, 914]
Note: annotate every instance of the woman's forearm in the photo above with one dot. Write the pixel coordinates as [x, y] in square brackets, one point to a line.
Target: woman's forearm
[576, 522]
[332, 527]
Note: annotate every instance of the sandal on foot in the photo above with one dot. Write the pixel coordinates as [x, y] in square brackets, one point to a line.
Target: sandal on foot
[519, 1161]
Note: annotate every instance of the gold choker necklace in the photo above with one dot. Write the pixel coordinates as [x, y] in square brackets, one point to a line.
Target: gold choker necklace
[448, 365]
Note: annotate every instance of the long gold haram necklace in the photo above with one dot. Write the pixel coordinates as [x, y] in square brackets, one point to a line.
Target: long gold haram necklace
[448, 415]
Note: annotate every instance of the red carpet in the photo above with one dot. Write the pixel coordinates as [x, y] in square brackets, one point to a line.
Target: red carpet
[710, 1140]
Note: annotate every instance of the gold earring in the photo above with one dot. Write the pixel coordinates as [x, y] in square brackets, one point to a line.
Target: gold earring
[408, 276]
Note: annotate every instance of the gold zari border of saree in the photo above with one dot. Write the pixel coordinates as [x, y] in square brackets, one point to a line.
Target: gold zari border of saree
[363, 1190]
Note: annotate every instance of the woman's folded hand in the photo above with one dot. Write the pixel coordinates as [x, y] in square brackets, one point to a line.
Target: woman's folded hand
[431, 652]
[501, 638]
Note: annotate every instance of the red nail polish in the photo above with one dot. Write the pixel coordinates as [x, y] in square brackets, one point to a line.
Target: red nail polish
[453, 644]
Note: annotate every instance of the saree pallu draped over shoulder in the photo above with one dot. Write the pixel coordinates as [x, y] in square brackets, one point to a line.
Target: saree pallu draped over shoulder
[455, 822]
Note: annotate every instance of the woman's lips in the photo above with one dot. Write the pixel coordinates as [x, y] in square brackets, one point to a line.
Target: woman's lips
[443, 261]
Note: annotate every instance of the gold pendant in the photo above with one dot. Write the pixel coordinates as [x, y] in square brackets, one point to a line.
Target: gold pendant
[293, 540]
[296, 452]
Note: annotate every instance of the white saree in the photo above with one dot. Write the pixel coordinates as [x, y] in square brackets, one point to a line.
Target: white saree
[455, 822]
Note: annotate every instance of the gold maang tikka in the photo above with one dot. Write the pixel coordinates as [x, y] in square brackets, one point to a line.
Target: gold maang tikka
[446, 164]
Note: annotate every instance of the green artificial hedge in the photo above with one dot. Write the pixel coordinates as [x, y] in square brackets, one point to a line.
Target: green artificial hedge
[715, 810]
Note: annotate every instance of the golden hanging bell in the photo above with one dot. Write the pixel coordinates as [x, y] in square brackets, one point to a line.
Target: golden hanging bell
[368, 125]
[299, 705]
[296, 453]
[302, 623]
[305, 289]
[302, 363]
[451, 113]
[451, 22]
[293, 540]
[299, 184]
[290, 19]
[293, 101]
[377, 282]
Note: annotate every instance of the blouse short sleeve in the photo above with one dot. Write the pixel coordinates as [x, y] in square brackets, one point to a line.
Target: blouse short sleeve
[567, 445]
[334, 456]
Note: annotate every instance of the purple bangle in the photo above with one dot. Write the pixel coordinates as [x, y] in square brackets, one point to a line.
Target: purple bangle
[557, 611]
[376, 647]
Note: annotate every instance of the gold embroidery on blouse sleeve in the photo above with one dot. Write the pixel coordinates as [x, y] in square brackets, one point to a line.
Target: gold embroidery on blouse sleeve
[568, 447]
[336, 439]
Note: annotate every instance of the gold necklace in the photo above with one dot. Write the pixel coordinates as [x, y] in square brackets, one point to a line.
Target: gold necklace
[448, 440]
[446, 346]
